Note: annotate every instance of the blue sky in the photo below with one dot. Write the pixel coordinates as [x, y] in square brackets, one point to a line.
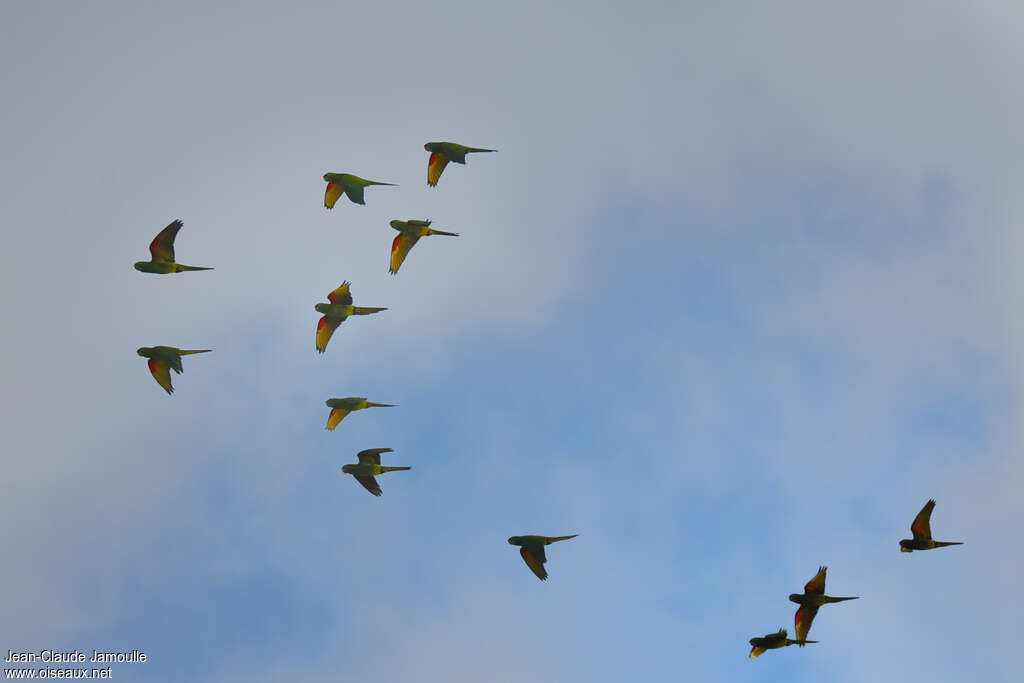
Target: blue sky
[736, 296]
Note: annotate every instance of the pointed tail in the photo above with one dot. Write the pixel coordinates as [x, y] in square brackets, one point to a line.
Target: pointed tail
[831, 599]
[393, 469]
[939, 544]
[374, 182]
[801, 643]
[364, 310]
[179, 268]
[186, 352]
[380, 405]
[442, 232]
[548, 540]
[479, 149]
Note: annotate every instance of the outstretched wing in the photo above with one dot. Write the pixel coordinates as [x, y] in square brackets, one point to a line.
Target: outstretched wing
[371, 455]
[921, 526]
[369, 483]
[535, 559]
[332, 194]
[161, 372]
[336, 416]
[324, 329]
[341, 295]
[399, 249]
[756, 651]
[435, 166]
[162, 246]
[816, 586]
[802, 620]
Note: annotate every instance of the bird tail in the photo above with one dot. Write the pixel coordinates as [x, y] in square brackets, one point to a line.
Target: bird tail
[479, 149]
[801, 643]
[380, 405]
[365, 310]
[551, 539]
[831, 599]
[374, 182]
[179, 268]
[939, 544]
[442, 232]
[393, 469]
[186, 352]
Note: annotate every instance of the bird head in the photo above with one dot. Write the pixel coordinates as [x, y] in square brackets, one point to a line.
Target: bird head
[795, 597]
[429, 146]
[515, 540]
[139, 265]
[346, 468]
[144, 351]
[905, 546]
[322, 308]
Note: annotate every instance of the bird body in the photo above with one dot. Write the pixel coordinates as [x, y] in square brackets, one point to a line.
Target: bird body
[161, 251]
[343, 406]
[347, 184]
[163, 359]
[443, 152]
[409, 232]
[922, 531]
[810, 600]
[334, 313]
[369, 466]
[772, 641]
[532, 551]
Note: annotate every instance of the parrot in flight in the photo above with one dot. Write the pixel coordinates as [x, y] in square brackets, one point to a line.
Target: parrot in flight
[810, 600]
[443, 152]
[346, 183]
[409, 233]
[369, 465]
[532, 550]
[340, 407]
[335, 312]
[922, 530]
[161, 251]
[772, 641]
[162, 359]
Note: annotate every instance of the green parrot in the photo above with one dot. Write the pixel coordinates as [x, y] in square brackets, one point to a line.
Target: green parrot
[335, 312]
[810, 600]
[346, 183]
[409, 232]
[532, 550]
[161, 251]
[772, 641]
[922, 530]
[343, 406]
[443, 152]
[162, 359]
[369, 465]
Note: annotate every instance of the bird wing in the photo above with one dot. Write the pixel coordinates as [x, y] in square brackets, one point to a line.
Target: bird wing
[162, 246]
[355, 192]
[756, 651]
[371, 455]
[161, 372]
[399, 249]
[435, 166]
[921, 526]
[369, 483]
[337, 414]
[802, 621]
[324, 329]
[341, 295]
[817, 584]
[332, 194]
[535, 560]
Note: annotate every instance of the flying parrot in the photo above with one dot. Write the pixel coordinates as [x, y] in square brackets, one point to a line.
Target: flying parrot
[921, 528]
[532, 550]
[335, 312]
[443, 152]
[772, 641]
[161, 251]
[810, 600]
[162, 359]
[340, 407]
[410, 232]
[369, 465]
[346, 183]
